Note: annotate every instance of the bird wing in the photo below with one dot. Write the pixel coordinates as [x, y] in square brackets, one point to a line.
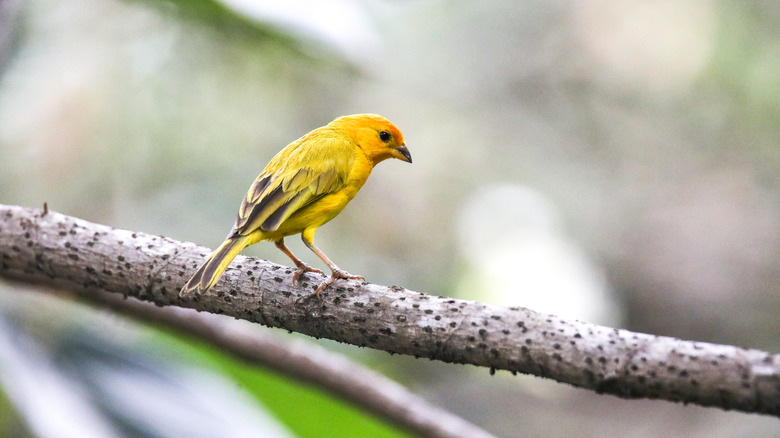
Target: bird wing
[293, 179]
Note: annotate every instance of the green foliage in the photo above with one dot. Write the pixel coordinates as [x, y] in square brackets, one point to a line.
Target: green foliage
[218, 17]
[10, 423]
[744, 67]
[305, 410]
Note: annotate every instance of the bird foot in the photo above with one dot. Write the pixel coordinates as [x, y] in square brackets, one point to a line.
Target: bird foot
[302, 269]
[337, 273]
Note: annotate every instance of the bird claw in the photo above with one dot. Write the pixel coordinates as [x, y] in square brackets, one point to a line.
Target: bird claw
[302, 269]
[337, 273]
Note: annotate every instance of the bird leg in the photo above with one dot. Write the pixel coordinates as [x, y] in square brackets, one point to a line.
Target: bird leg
[336, 271]
[302, 267]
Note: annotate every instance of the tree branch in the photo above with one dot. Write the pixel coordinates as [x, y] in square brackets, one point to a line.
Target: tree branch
[78, 255]
[302, 361]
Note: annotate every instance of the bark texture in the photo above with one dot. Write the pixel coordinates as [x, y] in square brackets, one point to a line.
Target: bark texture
[64, 251]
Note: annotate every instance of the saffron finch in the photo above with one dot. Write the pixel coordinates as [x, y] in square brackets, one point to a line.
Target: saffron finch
[304, 186]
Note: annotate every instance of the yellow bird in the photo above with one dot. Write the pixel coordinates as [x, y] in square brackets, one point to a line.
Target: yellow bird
[304, 186]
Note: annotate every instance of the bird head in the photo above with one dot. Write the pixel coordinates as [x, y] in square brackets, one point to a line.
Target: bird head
[376, 136]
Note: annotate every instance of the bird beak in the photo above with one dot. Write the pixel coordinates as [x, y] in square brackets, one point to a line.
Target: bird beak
[404, 154]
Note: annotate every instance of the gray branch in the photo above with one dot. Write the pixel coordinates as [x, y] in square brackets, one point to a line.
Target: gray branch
[78, 255]
[304, 362]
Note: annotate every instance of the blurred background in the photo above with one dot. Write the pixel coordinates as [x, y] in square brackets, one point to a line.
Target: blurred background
[614, 162]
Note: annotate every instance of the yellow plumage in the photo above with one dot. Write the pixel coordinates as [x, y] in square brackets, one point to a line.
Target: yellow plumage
[304, 186]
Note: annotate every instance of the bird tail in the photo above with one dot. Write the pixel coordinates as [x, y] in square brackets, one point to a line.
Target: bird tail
[209, 273]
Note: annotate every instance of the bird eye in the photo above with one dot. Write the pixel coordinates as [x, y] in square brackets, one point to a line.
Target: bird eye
[384, 136]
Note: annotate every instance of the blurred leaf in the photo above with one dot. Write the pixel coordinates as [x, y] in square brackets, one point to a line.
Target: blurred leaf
[67, 379]
[219, 17]
[745, 66]
[305, 410]
[231, 24]
[10, 422]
